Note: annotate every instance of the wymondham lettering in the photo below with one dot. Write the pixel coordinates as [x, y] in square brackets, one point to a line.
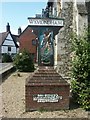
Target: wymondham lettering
[31, 21]
[50, 22]
[60, 22]
[55, 22]
[41, 22]
[38, 22]
[46, 22]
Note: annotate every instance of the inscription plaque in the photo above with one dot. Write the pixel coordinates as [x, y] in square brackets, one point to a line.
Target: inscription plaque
[46, 98]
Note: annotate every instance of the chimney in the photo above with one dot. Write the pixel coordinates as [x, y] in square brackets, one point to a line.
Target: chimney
[19, 31]
[8, 27]
[42, 13]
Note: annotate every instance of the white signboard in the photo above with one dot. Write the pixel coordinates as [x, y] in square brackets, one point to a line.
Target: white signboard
[46, 98]
[45, 22]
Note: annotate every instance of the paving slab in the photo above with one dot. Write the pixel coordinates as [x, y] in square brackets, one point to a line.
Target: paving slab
[0, 105]
[4, 67]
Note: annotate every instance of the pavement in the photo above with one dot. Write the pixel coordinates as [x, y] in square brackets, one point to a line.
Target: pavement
[0, 101]
[4, 67]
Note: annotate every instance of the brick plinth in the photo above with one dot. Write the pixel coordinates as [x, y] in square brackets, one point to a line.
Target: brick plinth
[47, 90]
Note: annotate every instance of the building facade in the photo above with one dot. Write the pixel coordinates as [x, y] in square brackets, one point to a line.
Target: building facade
[28, 41]
[75, 19]
[8, 43]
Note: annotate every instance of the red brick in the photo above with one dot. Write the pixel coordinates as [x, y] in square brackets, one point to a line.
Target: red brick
[50, 88]
[25, 40]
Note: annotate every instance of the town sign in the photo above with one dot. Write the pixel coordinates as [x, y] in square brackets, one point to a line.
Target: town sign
[46, 29]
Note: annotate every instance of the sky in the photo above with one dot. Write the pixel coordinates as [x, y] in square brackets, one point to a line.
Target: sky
[16, 13]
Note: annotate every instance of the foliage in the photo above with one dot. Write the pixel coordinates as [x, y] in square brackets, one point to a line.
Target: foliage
[23, 62]
[81, 70]
[6, 58]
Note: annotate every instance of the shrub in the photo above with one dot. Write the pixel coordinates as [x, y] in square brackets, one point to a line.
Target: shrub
[81, 70]
[23, 62]
[6, 58]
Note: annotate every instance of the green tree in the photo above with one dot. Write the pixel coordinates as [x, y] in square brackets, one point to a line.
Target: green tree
[6, 58]
[23, 62]
[81, 70]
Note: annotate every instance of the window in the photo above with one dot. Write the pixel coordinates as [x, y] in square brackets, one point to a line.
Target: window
[9, 48]
[33, 42]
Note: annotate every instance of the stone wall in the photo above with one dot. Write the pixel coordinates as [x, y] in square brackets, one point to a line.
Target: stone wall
[64, 44]
[80, 18]
[75, 19]
[82, 23]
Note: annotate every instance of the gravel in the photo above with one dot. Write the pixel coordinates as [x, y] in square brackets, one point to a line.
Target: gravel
[13, 101]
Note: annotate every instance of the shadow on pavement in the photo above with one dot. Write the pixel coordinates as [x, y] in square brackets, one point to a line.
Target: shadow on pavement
[6, 74]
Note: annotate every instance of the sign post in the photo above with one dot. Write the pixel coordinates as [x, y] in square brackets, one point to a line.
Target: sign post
[46, 22]
[46, 89]
[47, 29]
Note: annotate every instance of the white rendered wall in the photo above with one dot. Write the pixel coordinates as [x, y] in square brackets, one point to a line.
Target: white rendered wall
[8, 42]
[4, 49]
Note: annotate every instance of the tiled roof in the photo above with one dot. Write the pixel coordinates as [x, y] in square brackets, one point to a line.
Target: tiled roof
[15, 38]
[3, 36]
[81, 8]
